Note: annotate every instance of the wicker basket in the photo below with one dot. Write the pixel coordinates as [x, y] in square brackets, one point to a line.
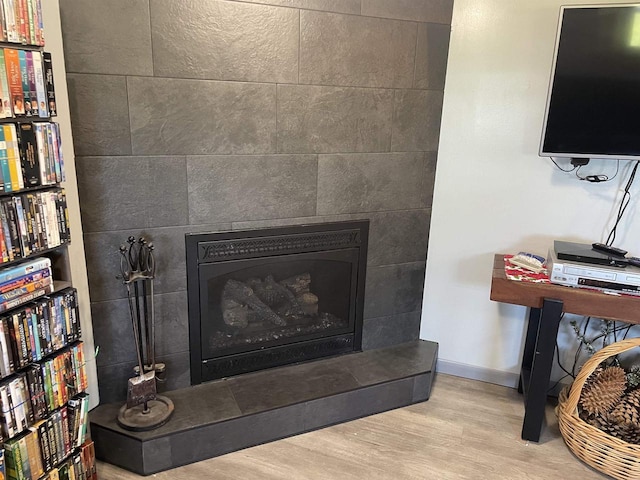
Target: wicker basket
[596, 448]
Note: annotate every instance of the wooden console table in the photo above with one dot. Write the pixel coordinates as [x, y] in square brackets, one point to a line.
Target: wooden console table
[546, 304]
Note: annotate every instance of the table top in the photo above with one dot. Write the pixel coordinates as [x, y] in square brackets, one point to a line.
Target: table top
[625, 308]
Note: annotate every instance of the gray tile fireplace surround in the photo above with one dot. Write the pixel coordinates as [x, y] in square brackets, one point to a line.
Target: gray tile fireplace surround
[231, 414]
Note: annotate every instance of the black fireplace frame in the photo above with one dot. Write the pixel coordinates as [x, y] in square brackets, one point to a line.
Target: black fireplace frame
[206, 248]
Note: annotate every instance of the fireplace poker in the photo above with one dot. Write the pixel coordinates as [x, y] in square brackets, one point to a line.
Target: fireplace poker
[126, 276]
[133, 267]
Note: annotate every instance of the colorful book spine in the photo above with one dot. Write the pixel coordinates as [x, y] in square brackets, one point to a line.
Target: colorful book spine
[12, 63]
[31, 77]
[24, 78]
[4, 163]
[13, 160]
[41, 92]
[6, 92]
[10, 17]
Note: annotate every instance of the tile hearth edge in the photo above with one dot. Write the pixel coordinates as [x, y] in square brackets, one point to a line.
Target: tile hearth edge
[231, 414]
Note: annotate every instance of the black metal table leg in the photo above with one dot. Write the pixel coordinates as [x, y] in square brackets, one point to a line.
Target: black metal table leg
[541, 358]
[529, 345]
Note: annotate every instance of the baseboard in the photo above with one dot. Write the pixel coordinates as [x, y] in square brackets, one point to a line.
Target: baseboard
[506, 379]
[488, 375]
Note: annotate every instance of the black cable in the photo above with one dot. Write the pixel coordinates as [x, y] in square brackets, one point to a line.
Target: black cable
[560, 168]
[624, 202]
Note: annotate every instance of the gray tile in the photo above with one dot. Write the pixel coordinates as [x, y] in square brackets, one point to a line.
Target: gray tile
[232, 188]
[359, 403]
[416, 120]
[372, 182]
[422, 386]
[110, 192]
[172, 323]
[156, 455]
[436, 11]
[117, 449]
[110, 36]
[431, 56]
[178, 374]
[99, 114]
[279, 387]
[339, 6]
[247, 431]
[394, 289]
[386, 331]
[356, 51]
[113, 333]
[225, 41]
[398, 237]
[333, 119]
[118, 193]
[399, 361]
[103, 259]
[112, 382]
[195, 117]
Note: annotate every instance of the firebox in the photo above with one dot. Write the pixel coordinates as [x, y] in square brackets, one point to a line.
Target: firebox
[269, 297]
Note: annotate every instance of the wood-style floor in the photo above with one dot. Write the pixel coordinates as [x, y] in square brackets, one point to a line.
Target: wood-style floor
[467, 430]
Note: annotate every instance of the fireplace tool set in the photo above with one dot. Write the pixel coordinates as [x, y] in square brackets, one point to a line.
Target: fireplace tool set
[145, 409]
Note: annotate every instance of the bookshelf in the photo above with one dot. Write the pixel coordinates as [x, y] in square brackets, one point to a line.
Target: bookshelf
[44, 403]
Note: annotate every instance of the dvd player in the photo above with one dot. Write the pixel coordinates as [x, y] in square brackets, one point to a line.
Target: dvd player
[585, 253]
[598, 277]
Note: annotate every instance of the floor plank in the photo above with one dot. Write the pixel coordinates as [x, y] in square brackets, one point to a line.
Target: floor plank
[467, 430]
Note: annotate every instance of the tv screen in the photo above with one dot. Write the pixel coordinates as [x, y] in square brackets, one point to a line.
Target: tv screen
[593, 106]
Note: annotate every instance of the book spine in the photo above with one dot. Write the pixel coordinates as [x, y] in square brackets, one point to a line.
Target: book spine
[4, 164]
[24, 77]
[3, 23]
[6, 92]
[15, 173]
[4, 306]
[49, 84]
[22, 226]
[26, 268]
[26, 289]
[31, 77]
[13, 154]
[41, 92]
[24, 280]
[10, 16]
[22, 16]
[7, 353]
[31, 18]
[29, 157]
[12, 63]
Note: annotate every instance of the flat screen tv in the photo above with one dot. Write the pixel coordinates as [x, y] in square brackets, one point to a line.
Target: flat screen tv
[593, 104]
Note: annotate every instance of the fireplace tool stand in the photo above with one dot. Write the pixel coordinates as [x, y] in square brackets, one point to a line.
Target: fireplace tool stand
[145, 409]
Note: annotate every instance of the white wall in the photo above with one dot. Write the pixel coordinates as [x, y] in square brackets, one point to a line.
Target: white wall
[77, 264]
[493, 193]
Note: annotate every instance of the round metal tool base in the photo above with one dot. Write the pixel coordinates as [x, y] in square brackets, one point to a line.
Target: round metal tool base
[158, 413]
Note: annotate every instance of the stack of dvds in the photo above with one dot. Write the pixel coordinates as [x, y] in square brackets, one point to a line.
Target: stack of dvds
[37, 330]
[42, 390]
[18, 285]
[30, 156]
[33, 222]
[21, 22]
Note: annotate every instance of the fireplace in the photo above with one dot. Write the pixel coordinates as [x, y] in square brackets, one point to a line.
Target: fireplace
[270, 297]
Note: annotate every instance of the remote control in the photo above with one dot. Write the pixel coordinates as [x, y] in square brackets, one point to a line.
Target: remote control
[601, 247]
[635, 261]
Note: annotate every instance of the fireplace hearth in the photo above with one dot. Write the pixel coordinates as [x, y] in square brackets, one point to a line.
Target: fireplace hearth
[270, 297]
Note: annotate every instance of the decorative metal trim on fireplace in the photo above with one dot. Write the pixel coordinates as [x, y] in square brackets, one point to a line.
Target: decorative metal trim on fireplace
[274, 296]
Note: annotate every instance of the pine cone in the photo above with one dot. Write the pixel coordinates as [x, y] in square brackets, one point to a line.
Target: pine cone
[627, 432]
[604, 391]
[628, 410]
